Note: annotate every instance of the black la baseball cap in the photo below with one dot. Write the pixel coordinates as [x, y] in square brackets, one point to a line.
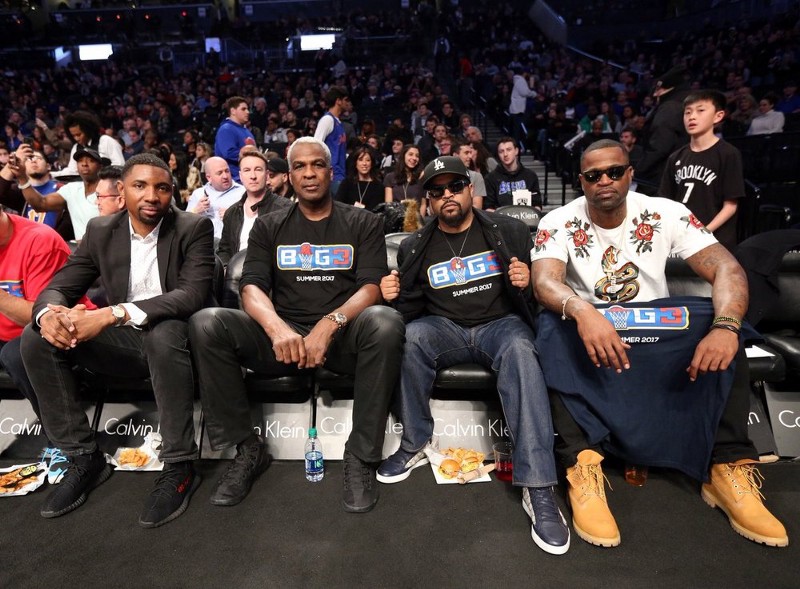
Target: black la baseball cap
[446, 164]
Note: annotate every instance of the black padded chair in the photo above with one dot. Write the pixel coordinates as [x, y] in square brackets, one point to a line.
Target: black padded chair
[682, 281]
[528, 215]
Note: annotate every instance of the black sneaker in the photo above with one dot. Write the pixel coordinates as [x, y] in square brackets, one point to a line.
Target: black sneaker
[170, 495]
[548, 527]
[251, 460]
[360, 486]
[85, 472]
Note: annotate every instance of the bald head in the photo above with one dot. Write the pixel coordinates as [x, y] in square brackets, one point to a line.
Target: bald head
[218, 173]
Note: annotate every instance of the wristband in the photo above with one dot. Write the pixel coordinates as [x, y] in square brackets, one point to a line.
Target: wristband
[564, 306]
[724, 319]
[24, 186]
[725, 326]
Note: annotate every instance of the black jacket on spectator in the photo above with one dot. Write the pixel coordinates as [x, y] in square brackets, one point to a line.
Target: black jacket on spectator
[508, 236]
[663, 134]
[233, 221]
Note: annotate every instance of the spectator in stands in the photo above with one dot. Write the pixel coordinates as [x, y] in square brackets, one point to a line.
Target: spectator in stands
[419, 120]
[403, 182]
[233, 134]
[38, 172]
[221, 191]
[427, 143]
[285, 326]
[628, 140]
[5, 154]
[362, 188]
[768, 120]
[742, 116]
[121, 250]
[790, 102]
[706, 175]
[180, 168]
[391, 160]
[260, 116]
[464, 151]
[201, 154]
[481, 315]
[331, 131]
[13, 136]
[278, 178]
[449, 116]
[30, 254]
[584, 255]
[109, 198]
[79, 198]
[521, 90]
[664, 131]
[257, 200]
[274, 133]
[136, 145]
[511, 183]
[84, 129]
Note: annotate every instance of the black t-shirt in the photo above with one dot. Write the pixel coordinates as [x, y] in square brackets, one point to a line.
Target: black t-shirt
[370, 194]
[465, 284]
[312, 267]
[703, 181]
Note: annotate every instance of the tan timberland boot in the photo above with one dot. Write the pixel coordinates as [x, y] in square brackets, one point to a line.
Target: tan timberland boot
[735, 489]
[591, 517]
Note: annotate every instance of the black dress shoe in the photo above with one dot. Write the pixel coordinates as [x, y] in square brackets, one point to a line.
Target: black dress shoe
[85, 472]
[170, 495]
[251, 460]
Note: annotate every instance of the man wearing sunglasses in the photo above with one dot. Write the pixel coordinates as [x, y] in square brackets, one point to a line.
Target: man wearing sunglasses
[464, 288]
[673, 397]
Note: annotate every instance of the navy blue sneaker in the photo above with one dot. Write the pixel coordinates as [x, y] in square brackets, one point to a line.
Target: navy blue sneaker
[548, 528]
[399, 465]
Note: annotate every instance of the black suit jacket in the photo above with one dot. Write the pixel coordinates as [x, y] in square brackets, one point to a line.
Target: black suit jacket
[185, 253]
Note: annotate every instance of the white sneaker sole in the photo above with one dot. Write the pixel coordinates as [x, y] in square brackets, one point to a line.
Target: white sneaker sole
[398, 478]
[548, 548]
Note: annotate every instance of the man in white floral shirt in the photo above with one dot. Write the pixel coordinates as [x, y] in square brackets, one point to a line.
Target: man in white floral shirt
[662, 383]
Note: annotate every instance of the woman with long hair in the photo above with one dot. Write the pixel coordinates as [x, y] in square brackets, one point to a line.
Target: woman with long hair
[403, 182]
[84, 129]
[362, 187]
[202, 151]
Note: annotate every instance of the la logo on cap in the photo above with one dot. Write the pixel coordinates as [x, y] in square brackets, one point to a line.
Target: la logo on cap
[438, 165]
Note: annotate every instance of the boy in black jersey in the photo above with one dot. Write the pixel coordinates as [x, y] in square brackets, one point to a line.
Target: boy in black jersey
[706, 175]
[310, 298]
[464, 286]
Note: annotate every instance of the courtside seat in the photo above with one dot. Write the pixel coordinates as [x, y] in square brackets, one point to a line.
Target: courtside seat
[682, 281]
[528, 215]
[781, 323]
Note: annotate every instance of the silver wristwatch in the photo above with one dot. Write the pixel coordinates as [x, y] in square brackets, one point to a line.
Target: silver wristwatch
[338, 318]
[119, 315]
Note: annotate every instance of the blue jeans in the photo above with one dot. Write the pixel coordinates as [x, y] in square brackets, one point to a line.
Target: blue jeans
[507, 347]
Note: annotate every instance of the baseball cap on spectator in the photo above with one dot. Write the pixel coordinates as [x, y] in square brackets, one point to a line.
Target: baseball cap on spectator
[92, 153]
[278, 165]
[672, 79]
[446, 164]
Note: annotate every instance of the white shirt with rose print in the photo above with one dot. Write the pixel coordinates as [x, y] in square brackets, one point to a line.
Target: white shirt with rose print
[625, 263]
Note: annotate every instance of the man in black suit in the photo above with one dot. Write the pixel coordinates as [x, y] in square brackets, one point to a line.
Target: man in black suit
[155, 263]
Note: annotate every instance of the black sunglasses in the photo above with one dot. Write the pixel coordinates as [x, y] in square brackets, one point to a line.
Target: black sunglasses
[613, 173]
[455, 187]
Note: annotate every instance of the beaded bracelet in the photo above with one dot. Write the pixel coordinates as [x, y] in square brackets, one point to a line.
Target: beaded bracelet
[564, 306]
[725, 326]
[723, 319]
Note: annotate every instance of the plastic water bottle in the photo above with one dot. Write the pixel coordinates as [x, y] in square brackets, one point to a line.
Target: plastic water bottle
[315, 466]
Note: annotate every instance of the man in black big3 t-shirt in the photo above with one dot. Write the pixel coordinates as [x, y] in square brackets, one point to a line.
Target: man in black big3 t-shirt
[464, 285]
[309, 295]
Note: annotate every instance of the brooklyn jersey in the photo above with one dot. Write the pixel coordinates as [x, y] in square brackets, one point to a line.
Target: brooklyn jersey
[703, 181]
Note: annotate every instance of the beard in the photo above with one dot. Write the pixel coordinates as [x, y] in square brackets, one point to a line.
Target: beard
[453, 218]
[38, 175]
